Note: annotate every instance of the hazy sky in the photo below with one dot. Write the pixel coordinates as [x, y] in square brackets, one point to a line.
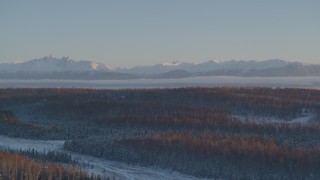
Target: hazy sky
[131, 32]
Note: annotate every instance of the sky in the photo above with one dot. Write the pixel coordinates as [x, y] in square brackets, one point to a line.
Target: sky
[125, 33]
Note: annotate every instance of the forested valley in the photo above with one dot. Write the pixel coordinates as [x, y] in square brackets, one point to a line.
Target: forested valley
[220, 133]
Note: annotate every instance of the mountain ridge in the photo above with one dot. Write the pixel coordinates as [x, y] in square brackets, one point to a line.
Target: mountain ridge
[51, 64]
[50, 67]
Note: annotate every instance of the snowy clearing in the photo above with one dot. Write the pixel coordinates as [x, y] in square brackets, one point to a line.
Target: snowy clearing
[307, 118]
[103, 167]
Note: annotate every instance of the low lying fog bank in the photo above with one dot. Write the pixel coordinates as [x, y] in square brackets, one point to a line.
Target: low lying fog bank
[207, 81]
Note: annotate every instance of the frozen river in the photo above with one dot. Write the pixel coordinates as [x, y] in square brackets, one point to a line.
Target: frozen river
[99, 166]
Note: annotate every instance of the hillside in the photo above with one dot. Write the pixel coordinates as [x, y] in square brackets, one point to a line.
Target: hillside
[222, 133]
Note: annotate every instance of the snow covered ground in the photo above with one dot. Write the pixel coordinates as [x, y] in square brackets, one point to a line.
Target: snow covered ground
[204, 81]
[100, 166]
[305, 119]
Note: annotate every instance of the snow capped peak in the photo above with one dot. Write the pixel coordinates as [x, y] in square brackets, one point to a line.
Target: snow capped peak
[174, 63]
[50, 64]
[67, 58]
[210, 62]
[94, 65]
[272, 67]
[234, 67]
[215, 61]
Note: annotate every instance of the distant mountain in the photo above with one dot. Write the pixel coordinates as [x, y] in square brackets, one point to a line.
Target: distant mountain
[208, 66]
[158, 68]
[66, 68]
[51, 64]
[273, 67]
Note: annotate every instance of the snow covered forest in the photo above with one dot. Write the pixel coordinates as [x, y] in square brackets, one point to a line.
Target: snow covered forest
[18, 166]
[228, 133]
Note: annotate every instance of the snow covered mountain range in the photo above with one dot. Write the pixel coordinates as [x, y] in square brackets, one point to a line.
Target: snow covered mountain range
[65, 68]
[51, 64]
